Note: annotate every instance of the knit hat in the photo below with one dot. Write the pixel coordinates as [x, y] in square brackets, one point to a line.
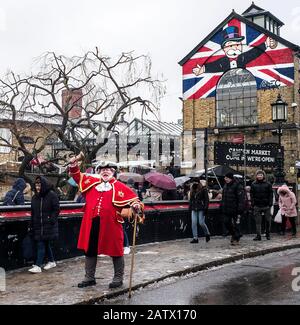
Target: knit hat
[229, 175]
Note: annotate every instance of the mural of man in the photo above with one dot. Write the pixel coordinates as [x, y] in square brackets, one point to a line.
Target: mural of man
[234, 56]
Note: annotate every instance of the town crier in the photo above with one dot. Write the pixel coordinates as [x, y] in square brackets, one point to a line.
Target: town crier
[101, 229]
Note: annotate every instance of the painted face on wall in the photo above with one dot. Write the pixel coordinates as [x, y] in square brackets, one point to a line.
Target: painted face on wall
[106, 174]
[232, 49]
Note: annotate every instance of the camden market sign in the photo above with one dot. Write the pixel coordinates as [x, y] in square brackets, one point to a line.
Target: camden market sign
[227, 153]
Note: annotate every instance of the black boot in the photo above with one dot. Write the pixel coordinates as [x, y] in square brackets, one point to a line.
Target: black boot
[84, 284]
[258, 237]
[294, 228]
[119, 272]
[194, 241]
[207, 238]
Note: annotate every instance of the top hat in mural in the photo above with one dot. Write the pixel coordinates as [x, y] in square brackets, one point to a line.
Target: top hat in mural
[231, 34]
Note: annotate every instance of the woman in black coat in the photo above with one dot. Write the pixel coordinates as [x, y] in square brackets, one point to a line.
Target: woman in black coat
[44, 224]
[199, 205]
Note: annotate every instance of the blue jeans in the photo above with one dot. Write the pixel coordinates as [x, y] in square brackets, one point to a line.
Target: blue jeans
[43, 247]
[198, 216]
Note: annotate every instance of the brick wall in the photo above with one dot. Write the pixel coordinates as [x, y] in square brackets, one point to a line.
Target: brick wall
[201, 113]
[33, 132]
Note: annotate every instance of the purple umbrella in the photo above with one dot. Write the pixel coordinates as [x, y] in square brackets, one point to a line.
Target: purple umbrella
[161, 180]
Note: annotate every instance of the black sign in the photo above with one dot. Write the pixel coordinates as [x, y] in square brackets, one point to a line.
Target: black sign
[227, 153]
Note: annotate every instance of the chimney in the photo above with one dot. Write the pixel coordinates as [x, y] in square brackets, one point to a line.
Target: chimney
[72, 98]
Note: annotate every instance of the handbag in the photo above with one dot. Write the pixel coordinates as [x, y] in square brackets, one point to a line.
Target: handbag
[278, 217]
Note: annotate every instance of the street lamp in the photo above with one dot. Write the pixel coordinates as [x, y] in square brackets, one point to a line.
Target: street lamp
[279, 116]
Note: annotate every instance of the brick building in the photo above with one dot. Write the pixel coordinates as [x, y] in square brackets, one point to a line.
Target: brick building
[230, 80]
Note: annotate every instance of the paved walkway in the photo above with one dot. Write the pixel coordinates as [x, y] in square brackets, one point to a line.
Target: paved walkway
[153, 262]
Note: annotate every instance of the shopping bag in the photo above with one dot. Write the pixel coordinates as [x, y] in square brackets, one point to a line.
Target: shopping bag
[278, 217]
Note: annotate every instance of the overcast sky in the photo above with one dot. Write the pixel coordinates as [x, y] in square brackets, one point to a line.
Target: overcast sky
[167, 30]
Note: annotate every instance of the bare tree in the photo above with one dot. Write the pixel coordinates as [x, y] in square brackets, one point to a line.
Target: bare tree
[15, 100]
[106, 87]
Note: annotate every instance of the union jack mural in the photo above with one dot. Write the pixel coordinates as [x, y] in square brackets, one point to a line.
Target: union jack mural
[237, 45]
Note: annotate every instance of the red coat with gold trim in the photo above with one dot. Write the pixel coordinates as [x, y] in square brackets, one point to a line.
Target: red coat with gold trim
[105, 203]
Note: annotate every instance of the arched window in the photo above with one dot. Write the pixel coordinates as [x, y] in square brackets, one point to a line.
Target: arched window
[236, 99]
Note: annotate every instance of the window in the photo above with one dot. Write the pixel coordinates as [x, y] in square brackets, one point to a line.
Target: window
[236, 99]
[259, 20]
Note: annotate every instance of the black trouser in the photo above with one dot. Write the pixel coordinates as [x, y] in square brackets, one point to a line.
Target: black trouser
[258, 211]
[94, 237]
[230, 221]
[92, 252]
[292, 220]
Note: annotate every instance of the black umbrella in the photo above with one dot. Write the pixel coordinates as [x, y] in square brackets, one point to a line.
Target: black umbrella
[218, 171]
[221, 171]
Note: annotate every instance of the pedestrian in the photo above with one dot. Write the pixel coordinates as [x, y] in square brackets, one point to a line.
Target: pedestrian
[153, 194]
[101, 229]
[199, 206]
[232, 206]
[44, 224]
[180, 192]
[15, 196]
[141, 191]
[287, 205]
[261, 200]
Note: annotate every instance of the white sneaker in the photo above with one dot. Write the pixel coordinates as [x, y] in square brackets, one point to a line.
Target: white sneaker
[49, 265]
[126, 250]
[35, 269]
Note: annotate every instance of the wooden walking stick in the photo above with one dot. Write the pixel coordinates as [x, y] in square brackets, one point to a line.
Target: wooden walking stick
[132, 254]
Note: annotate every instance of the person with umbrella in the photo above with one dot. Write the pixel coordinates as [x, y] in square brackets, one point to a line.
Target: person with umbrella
[159, 182]
[153, 193]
